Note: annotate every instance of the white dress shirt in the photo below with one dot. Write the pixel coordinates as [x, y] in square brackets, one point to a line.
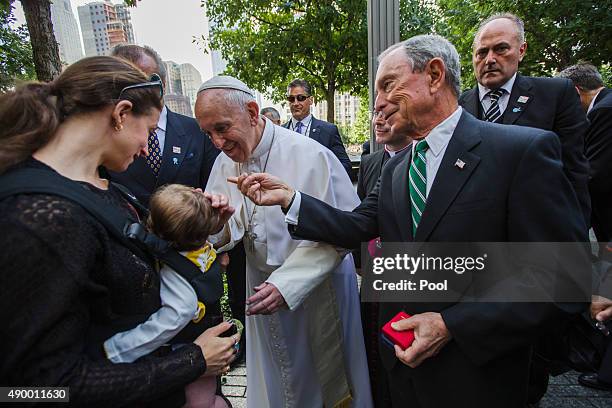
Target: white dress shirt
[593, 101]
[305, 124]
[437, 140]
[485, 100]
[161, 129]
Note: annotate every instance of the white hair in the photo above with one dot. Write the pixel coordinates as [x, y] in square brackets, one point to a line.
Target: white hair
[421, 49]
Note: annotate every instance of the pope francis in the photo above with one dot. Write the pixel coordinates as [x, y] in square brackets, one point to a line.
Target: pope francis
[305, 345]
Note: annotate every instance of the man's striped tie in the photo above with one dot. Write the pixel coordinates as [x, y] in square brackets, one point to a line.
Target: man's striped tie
[417, 176]
[493, 113]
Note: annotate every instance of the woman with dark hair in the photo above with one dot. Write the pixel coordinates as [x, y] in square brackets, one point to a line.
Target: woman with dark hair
[63, 277]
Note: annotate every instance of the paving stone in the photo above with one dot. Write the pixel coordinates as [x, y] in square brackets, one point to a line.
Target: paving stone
[575, 391]
[236, 380]
[238, 402]
[601, 402]
[238, 370]
[557, 402]
[234, 390]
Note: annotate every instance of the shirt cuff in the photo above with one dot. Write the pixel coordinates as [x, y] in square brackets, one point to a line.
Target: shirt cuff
[293, 212]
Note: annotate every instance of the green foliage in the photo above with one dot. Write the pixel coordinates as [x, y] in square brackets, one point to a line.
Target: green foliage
[16, 61]
[360, 131]
[417, 17]
[559, 33]
[267, 43]
[606, 74]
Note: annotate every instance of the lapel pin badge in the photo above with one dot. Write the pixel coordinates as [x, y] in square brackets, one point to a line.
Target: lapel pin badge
[517, 109]
[460, 163]
[176, 149]
[523, 99]
[175, 161]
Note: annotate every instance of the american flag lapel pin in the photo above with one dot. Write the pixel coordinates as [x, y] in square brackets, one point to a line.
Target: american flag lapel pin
[523, 99]
[460, 163]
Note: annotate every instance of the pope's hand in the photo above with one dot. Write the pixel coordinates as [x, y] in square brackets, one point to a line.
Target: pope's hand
[266, 300]
[430, 335]
[220, 202]
[264, 189]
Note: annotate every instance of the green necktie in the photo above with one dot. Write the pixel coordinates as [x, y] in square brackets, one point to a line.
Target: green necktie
[418, 183]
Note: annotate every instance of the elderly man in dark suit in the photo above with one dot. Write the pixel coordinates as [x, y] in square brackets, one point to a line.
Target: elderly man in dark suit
[299, 96]
[481, 182]
[179, 152]
[502, 95]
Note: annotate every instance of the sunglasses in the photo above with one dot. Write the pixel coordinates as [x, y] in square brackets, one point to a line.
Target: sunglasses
[155, 80]
[300, 98]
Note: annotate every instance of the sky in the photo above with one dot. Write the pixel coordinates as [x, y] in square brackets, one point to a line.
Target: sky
[167, 26]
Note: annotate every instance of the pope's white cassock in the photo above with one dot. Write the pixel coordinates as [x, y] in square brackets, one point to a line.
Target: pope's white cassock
[311, 355]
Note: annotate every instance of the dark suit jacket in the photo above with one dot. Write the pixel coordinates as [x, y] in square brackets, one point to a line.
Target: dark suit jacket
[511, 189]
[553, 104]
[191, 166]
[598, 148]
[328, 135]
[369, 171]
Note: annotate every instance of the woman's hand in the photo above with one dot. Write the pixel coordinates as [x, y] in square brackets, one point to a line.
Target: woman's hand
[218, 351]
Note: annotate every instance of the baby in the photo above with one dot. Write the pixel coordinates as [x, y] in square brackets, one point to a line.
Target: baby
[183, 217]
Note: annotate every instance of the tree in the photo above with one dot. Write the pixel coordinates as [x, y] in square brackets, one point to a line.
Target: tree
[267, 43]
[417, 17]
[360, 131]
[558, 33]
[15, 52]
[45, 51]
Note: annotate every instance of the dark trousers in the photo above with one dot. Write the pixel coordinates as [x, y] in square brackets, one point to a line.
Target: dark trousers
[450, 379]
[236, 283]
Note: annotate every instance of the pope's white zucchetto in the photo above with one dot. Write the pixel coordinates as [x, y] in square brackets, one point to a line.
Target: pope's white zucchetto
[225, 82]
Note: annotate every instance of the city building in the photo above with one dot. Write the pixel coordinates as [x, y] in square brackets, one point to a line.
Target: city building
[103, 28]
[66, 31]
[346, 107]
[190, 82]
[123, 14]
[182, 83]
[179, 104]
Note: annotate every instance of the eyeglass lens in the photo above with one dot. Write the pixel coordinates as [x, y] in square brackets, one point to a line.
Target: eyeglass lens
[300, 98]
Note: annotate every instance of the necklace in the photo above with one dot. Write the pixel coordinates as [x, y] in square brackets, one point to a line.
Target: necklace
[249, 234]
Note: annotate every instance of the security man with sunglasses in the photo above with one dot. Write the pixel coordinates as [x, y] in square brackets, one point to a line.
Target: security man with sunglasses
[300, 100]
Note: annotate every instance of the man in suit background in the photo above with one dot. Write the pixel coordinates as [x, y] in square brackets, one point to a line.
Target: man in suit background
[179, 152]
[271, 114]
[502, 95]
[596, 101]
[369, 171]
[482, 182]
[299, 96]
[372, 164]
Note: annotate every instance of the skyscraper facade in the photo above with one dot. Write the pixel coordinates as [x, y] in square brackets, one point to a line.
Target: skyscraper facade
[190, 82]
[182, 83]
[102, 27]
[66, 31]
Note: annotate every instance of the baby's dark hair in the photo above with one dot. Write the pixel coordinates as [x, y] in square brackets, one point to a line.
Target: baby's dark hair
[182, 216]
